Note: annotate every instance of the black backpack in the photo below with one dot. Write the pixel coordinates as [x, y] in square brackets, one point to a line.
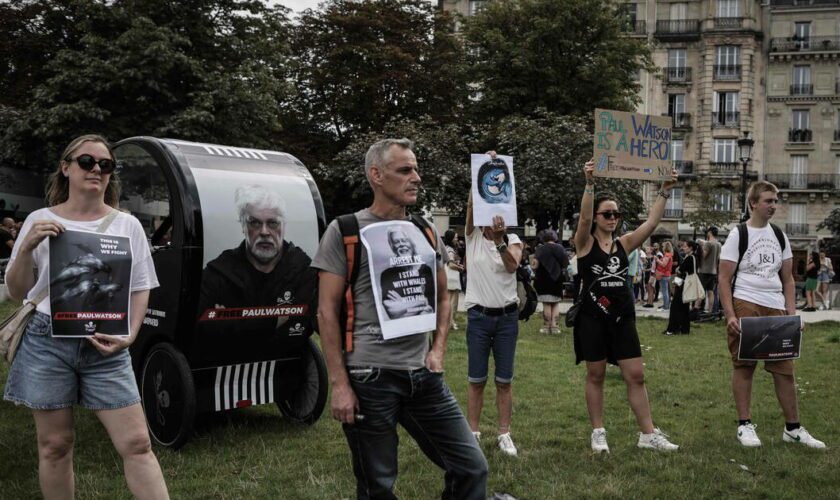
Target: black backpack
[526, 293]
[744, 241]
[348, 225]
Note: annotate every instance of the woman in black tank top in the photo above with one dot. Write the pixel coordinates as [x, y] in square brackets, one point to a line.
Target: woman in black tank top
[605, 330]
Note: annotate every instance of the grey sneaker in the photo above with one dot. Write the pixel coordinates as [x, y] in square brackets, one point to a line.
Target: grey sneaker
[656, 440]
[599, 440]
[802, 436]
[506, 444]
[747, 436]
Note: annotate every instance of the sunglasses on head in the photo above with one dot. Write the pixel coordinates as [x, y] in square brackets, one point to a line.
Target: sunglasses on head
[106, 165]
[609, 214]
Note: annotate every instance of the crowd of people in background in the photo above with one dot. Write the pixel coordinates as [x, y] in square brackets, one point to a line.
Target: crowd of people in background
[9, 230]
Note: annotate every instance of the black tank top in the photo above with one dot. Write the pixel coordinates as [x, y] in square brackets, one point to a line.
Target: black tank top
[609, 296]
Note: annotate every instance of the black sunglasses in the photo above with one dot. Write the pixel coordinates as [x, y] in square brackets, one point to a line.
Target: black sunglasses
[106, 165]
[609, 214]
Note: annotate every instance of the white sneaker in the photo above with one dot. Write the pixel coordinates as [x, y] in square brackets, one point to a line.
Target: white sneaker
[656, 440]
[599, 440]
[661, 309]
[747, 436]
[506, 444]
[477, 436]
[800, 435]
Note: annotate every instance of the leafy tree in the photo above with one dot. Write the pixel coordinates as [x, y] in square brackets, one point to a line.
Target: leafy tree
[567, 56]
[704, 215]
[832, 223]
[210, 70]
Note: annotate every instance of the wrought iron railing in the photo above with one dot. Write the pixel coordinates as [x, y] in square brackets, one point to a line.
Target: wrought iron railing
[728, 22]
[678, 27]
[793, 229]
[828, 182]
[725, 167]
[677, 74]
[800, 135]
[682, 120]
[726, 119]
[684, 167]
[634, 27]
[727, 72]
[802, 89]
[805, 44]
[673, 213]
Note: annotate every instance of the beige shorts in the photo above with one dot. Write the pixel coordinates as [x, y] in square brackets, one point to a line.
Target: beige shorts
[745, 309]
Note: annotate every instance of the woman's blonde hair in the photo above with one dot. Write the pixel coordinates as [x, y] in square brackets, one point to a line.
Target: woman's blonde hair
[667, 247]
[58, 186]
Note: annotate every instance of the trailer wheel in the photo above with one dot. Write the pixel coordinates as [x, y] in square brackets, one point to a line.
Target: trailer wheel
[168, 396]
[307, 403]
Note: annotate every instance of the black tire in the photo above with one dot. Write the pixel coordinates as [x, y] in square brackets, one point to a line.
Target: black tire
[168, 394]
[307, 402]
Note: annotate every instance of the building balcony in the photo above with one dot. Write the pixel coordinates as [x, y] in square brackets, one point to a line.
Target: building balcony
[634, 27]
[681, 121]
[802, 89]
[674, 74]
[727, 72]
[728, 22]
[672, 213]
[814, 182]
[800, 135]
[725, 168]
[726, 119]
[806, 44]
[684, 167]
[804, 3]
[796, 229]
[675, 30]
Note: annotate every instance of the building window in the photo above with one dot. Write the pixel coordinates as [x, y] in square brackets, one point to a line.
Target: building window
[674, 205]
[676, 70]
[679, 11]
[801, 81]
[728, 8]
[797, 219]
[798, 171]
[802, 34]
[678, 149]
[801, 119]
[727, 62]
[726, 109]
[676, 104]
[476, 6]
[722, 201]
[724, 151]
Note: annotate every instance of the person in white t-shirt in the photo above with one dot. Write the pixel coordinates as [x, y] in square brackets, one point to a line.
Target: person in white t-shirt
[764, 286]
[492, 319]
[49, 374]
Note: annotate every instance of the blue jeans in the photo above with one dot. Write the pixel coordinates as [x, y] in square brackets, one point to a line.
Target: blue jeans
[664, 286]
[420, 401]
[491, 333]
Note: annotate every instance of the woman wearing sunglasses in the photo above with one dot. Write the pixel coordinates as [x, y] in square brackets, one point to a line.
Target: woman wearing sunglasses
[605, 328]
[50, 375]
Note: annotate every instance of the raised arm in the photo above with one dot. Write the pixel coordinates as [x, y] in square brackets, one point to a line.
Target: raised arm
[468, 229]
[634, 239]
[583, 239]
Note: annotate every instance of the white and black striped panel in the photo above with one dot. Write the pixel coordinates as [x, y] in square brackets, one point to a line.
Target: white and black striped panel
[253, 154]
[244, 385]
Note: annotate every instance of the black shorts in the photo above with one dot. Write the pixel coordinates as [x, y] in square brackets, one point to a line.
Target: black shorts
[597, 339]
[709, 281]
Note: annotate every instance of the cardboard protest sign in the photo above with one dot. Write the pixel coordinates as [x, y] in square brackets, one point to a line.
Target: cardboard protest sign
[632, 145]
[90, 279]
[403, 274]
[770, 338]
[493, 189]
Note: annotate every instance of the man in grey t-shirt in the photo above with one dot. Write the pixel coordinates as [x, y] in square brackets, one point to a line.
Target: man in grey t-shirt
[382, 382]
[709, 267]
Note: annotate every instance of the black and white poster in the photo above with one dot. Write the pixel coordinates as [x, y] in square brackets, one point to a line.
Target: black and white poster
[770, 338]
[403, 274]
[90, 278]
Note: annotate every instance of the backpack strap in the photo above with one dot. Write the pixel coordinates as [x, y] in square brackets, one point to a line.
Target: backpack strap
[425, 228]
[348, 225]
[779, 236]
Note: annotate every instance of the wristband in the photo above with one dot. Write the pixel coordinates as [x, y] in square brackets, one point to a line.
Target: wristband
[664, 194]
[590, 189]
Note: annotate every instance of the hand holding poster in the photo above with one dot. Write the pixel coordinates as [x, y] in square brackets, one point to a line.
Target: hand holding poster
[403, 276]
[493, 189]
[770, 338]
[90, 275]
[632, 146]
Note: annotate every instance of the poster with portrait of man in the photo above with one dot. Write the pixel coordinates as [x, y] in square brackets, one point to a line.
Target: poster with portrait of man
[90, 277]
[493, 189]
[403, 274]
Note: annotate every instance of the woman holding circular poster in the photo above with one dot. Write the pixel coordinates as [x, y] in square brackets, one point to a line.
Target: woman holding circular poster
[50, 374]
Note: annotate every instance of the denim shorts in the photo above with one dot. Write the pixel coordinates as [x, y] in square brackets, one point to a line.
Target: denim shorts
[52, 373]
[491, 333]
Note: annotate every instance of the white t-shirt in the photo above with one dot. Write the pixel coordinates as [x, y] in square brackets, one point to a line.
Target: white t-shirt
[143, 276]
[758, 274]
[488, 282]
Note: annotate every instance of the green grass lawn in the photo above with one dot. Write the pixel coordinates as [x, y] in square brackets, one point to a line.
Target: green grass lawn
[254, 453]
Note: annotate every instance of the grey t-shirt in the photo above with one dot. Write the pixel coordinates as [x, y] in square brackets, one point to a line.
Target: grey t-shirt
[711, 257]
[369, 348]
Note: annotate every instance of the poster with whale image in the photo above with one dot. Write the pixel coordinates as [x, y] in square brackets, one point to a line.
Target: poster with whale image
[90, 277]
[493, 189]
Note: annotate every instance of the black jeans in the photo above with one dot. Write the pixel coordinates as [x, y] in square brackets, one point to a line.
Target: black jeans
[420, 401]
